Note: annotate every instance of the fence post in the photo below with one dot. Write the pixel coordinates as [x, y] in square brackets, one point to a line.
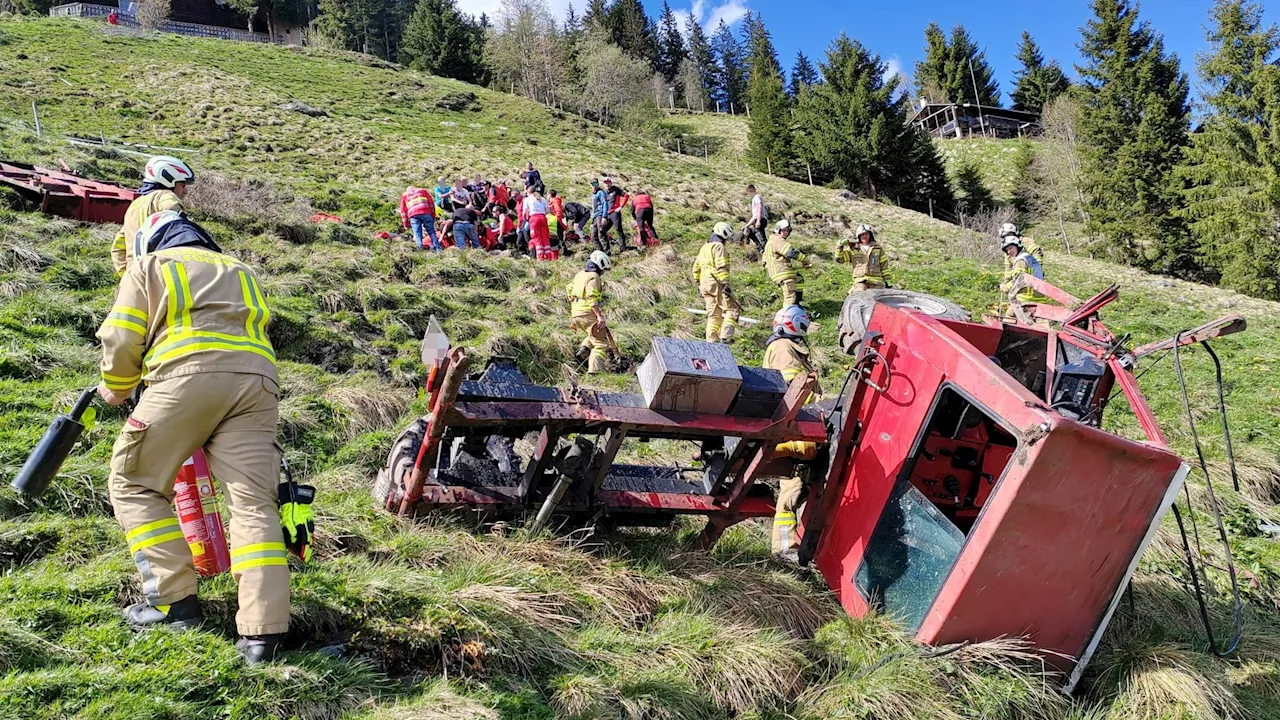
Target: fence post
[930, 208]
[678, 151]
[35, 111]
[768, 162]
[705, 156]
[810, 169]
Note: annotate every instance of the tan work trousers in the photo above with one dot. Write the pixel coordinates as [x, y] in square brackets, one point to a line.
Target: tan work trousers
[790, 290]
[233, 416]
[722, 312]
[784, 514]
[597, 340]
[867, 284]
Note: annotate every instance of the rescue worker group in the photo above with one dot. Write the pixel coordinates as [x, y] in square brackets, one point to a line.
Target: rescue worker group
[190, 325]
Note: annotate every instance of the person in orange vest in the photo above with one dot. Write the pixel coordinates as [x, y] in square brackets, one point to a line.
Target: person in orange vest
[642, 211]
[418, 211]
[556, 204]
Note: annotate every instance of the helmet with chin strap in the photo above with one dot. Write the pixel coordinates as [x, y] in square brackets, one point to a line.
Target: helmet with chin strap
[167, 171]
[791, 321]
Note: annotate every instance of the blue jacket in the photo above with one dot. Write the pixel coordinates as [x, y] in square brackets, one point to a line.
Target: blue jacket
[600, 204]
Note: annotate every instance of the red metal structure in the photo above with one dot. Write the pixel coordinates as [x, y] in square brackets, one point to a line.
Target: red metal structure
[963, 482]
[67, 194]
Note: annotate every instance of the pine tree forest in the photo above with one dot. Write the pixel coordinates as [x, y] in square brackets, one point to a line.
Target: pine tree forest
[1144, 188]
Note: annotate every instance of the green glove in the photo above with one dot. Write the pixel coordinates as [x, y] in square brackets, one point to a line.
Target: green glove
[296, 517]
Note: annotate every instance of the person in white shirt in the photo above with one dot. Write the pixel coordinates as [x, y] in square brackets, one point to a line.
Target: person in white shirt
[535, 209]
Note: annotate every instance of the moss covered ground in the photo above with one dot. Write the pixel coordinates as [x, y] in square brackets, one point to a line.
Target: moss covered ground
[447, 619]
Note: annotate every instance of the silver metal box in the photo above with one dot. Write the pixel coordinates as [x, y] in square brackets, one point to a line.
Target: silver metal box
[689, 376]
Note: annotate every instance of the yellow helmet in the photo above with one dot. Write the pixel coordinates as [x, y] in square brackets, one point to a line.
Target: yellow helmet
[722, 230]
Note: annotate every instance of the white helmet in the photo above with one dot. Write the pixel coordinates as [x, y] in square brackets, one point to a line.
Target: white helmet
[600, 259]
[1008, 229]
[783, 224]
[791, 321]
[167, 171]
[863, 230]
[1007, 240]
[722, 230]
[152, 225]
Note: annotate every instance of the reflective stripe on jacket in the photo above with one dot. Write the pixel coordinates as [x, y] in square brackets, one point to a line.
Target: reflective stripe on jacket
[416, 202]
[585, 292]
[789, 357]
[139, 210]
[869, 265]
[184, 311]
[711, 267]
[779, 254]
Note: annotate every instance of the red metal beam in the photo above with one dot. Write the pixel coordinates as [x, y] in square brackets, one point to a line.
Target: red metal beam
[1129, 386]
[642, 421]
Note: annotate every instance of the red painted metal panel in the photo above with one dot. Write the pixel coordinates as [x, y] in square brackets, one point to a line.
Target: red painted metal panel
[69, 195]
[1048, 553]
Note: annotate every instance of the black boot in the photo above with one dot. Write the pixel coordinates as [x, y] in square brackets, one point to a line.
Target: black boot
[582, 354]
[258, 649]
[182, 615]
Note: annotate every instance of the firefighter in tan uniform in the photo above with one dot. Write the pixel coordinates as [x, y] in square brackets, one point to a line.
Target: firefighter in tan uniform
[711, 272]
[191, 323]
[164, 183]
[586, 293]
[870, 266]
[787, 351]
[1029, 245]
[780, 258]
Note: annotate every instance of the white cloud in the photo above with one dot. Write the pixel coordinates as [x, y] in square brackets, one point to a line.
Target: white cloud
[893, 66]
[731, 11]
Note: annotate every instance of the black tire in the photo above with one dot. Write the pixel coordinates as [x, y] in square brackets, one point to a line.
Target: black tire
[856, 312]
[389, 487]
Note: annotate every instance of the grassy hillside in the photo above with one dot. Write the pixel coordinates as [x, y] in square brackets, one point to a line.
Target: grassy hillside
[995, 160]
[443, 619]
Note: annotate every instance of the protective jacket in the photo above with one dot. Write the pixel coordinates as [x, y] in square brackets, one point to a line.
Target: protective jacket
[143, 207]
[182, 311]
[642, 201]
[788, 356]
[780, 257]
[870, 265]
[415, 202]
[1029, 245]
[711, 267]
[1024, 264]
[574, 212]
[586, 291]
[178, 233]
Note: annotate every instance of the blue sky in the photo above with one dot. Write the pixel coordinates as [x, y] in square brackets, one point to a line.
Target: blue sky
[896, 29]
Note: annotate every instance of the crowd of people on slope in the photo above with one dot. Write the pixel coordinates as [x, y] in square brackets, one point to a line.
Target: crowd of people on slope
[190, 323]
[481, 214]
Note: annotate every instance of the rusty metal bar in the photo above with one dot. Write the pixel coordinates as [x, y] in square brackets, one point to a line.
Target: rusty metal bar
[1225, 325]
[548, 438]
[575, 417]
[455, 373]
[613, 438]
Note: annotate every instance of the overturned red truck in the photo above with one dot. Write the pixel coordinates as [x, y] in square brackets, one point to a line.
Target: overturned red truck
[963, 483]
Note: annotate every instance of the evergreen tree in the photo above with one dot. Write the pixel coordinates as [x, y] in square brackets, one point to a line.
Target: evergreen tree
[1037, 83]
[632, 30]
[671, 49]
[702, 58]
[277, 12]
[803, 74]
[952, 67]
[1233, 165]
[596, 16]
[972, 193]
[572, 22]
[1133, 125]
[731, 78]
[334, 25]
[852, 127]
[442, 41]
[769, 130]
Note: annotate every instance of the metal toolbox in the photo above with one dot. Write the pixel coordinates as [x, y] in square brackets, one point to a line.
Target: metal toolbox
[761, 392]
[689, 376]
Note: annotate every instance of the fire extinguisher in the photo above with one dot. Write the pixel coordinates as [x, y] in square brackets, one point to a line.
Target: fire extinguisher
[195, 497]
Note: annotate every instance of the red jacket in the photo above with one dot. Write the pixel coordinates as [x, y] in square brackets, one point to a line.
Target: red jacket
[415, 202]
[620, 201]
[642, 201]
[557, 207]
[500, 195]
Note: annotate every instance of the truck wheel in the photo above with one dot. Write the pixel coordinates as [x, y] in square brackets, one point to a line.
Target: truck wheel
[856, 312]
[389, 487]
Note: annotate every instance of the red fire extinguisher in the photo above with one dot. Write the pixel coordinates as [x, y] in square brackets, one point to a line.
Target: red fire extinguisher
[196, 500]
